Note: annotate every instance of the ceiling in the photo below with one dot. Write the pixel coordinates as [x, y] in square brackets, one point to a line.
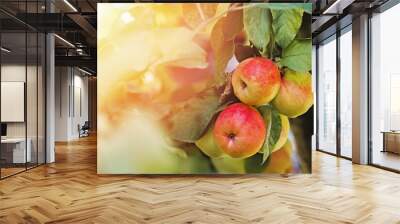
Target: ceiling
[76, 22]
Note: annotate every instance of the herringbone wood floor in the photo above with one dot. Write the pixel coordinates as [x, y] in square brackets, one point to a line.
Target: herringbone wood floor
[70, 191]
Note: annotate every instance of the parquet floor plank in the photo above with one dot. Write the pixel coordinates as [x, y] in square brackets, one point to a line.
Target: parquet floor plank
[70, 191]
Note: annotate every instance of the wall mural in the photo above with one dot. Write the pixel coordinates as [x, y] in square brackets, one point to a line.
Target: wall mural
[204, 88]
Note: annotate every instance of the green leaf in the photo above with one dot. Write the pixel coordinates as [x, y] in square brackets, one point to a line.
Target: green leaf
[297, 56]
[273, 123]
[276, 127]
[286, 23]
[223, 51]
[189, 120]
[267, 149]
[255, 164]
[307, 7]
[258, 26]
[271, 49]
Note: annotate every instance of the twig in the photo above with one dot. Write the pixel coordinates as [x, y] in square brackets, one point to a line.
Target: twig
[198, 6]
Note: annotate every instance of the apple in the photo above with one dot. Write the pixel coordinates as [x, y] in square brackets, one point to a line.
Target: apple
[229, 165]
[195, 162]
[207, 144]
[295, 95]
[256, 81]
[239, 130]
[281, 160]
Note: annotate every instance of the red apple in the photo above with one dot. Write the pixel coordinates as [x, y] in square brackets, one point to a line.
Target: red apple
[295, 97]
[281, 160]
[256, 81]
[239, 130]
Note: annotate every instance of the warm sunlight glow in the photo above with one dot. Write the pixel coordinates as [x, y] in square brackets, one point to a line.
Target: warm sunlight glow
[127, 17]
[165, 74]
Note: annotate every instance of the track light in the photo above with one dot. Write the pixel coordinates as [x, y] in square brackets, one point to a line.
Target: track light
[337, 7]
[5, 50]
[84, 71]
[331, 7]
[70, 5]
[64, 40]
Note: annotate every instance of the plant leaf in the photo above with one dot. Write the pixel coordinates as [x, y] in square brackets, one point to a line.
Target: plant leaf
[266, 114]
[286, 23]
[233, 24]
[223, 51]
[276, 128]
[255, 164]
[242, 52]
[258, 26]
[307, 7]
[267, 149]
[188, 121]
[273, 123]
[227, 92]
[297, 56]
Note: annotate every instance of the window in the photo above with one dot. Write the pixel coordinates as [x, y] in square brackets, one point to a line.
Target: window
[385, 89]
[22, 88]
[346, 93]
[327, 96]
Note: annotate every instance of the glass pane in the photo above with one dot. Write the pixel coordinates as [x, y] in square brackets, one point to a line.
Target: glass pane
[31, 98]
[13, 90]
[32, 89]
[385, 114]
[346, 94]
[327, 96]
[314, 72]
[41, 98]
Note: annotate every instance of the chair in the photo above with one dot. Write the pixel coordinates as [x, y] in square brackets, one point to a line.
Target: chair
[84, 130]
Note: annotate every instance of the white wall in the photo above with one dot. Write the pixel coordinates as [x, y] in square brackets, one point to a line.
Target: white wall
[33, 127]
[12, 73]
[80, 110]
[71, 102]
[62, 81]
